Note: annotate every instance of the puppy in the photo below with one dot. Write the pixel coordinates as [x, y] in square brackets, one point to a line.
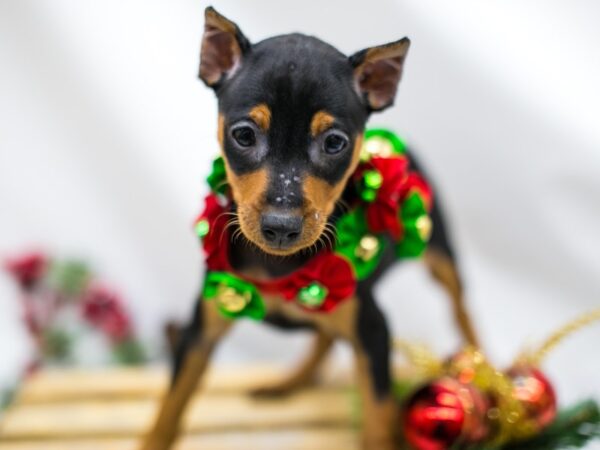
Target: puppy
[292, 114]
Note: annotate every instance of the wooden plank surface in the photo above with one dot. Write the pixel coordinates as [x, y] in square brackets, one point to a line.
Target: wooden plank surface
[301, 439]
[107, 384]
[206, 413]
[110, 409]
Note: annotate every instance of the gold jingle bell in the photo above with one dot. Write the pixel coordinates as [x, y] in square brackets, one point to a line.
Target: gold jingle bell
[367, 247]
[231, 300]
[377, 146]
[424, 227]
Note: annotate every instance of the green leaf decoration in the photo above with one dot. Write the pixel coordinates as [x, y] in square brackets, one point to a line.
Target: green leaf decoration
[412, 214]
[70, 277]
[351, 229]
[58, 345]
[7, 396]
[217, 180]
[574, 427]
[129, 352]
[233, 296]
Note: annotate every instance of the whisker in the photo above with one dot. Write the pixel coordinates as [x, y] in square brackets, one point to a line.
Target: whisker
[343, 204]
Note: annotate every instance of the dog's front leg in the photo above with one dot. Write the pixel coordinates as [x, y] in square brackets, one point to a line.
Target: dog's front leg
[372, 350]
[192, 357]
[360, 322]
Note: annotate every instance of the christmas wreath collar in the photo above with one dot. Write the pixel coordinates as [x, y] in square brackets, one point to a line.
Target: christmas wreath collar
[389, 202]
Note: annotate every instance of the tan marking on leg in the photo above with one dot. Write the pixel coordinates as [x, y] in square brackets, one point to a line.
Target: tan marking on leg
[381, 416]
[320, 122]
[444, 271]
[304, 374]
[261, 115]
[166, 426]
[380, 426]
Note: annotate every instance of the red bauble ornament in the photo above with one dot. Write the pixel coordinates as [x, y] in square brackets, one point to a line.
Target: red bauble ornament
[444, 413]
[535, 393]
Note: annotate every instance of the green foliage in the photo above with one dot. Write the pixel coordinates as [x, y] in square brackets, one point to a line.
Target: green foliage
[70, 277]
[129, 352]
[6, 398]
[58, 345]
[574, 427]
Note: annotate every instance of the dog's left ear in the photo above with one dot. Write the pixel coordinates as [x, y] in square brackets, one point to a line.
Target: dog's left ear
[377, 72]
[223, 46]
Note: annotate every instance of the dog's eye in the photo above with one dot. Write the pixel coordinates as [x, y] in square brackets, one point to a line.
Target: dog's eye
[244, 136]
[335, 143]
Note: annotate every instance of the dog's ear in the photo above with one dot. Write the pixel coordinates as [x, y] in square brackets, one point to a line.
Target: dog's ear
[377, 72]
[223, 46]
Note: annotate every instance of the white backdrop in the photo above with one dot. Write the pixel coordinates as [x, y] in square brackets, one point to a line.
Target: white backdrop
[106, 136]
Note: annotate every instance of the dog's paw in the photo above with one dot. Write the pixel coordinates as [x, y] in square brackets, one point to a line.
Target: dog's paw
[156, 443]
[274, 391]
[283, 387]
[379, 444]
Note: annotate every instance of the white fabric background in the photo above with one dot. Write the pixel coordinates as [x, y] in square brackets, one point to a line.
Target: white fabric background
[106, 136]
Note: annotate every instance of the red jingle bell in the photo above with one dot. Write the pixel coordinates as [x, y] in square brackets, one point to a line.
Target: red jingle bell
[444, 413]
[535, 393]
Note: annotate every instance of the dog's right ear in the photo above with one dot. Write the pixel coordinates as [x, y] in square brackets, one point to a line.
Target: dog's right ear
[223, 46]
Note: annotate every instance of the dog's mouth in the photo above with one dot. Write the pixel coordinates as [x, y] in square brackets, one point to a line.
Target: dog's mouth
[286, 232]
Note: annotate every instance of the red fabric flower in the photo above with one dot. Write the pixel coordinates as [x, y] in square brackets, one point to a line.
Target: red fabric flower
[28, 268]
[382, 213]
[103, 308]
[326, 268]
[216, 242]
[416, 182]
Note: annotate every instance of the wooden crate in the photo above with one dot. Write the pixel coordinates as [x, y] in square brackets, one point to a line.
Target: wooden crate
[110, 409]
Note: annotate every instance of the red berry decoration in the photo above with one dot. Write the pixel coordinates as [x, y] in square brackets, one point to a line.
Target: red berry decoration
[103, 308]
[28, 269]
[536, 394]
[444, 413]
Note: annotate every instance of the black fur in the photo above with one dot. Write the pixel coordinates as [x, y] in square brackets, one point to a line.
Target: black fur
[296, 76]
[188, 337]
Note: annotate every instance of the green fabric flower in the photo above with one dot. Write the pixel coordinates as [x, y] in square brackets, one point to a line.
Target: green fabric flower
[233, 296]
[360, 247]
[417, 227]
[217, 180]
[383, 143]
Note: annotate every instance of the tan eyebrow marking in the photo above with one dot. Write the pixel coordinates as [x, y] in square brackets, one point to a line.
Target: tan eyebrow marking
[322, 195]
[320, 122]
[261, 114]
[221, 130]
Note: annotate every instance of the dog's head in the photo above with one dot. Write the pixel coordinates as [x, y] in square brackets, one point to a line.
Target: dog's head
[292, 110]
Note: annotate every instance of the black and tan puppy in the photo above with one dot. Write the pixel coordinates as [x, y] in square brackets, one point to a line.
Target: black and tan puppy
[295, 106]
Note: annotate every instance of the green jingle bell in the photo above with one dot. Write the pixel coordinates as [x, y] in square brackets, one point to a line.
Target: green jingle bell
[371, 182]
[231, 300]
[313, 295]
[367, 247]
[202, 228]
[424, 227]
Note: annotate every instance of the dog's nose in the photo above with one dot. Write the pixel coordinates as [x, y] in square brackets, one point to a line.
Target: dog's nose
[281, 229]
